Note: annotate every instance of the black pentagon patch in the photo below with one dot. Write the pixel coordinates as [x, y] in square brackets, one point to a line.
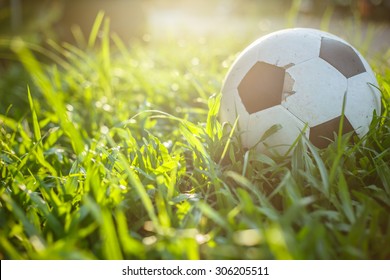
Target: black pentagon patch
[321, 135]
[342, 57]
[262, 87]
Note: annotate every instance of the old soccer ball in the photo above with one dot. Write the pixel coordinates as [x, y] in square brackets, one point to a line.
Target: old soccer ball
[296, 80]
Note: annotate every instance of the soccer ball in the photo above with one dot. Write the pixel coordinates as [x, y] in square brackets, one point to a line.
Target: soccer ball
[298, 80]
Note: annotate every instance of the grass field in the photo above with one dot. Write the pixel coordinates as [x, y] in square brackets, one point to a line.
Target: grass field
[113, 152]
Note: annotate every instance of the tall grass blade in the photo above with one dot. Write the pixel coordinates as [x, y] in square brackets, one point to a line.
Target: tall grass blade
[37, 129]
[321, 167]
[111, 247]
[225, 149]
[95, 29]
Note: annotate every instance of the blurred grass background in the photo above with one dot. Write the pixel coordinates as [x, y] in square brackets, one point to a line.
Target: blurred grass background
[134, 18]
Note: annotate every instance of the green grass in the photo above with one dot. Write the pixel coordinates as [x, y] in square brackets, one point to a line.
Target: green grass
[113, 152]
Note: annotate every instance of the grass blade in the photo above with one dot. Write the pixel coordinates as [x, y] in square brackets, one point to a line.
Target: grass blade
[213, 215]
[95, 29]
